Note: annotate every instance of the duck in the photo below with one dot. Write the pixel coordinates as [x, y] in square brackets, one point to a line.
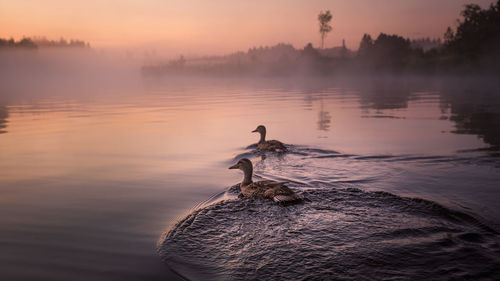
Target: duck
[270, 145]
[269, 189]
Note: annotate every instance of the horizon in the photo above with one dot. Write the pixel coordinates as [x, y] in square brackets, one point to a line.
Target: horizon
[182, 28]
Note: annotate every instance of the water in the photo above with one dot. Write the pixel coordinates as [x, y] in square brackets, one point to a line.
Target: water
[131, 183]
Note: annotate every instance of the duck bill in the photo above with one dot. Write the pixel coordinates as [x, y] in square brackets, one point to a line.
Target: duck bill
[234, 166]
[254, 131]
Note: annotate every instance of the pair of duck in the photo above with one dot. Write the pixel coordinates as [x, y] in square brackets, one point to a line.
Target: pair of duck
[277, 191]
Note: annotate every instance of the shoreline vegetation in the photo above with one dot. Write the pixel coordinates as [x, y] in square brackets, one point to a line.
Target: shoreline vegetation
[473, 48]
[27, 43]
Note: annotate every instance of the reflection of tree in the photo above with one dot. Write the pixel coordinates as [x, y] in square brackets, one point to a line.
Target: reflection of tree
[383, 94]
[3, 118]
[312, 94]
[475, 110]
[473, 106]
[324, 118]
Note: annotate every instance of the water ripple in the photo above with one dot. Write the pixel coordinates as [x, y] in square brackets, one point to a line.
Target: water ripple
[341, 234]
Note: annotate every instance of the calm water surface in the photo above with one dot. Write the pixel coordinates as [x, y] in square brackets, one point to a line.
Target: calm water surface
[399, 173]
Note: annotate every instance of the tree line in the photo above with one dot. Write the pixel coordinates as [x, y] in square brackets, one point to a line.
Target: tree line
[41, 42]
[473, 46]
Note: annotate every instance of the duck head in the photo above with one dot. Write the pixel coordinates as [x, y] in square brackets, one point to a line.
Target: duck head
[262, 131]
[246, 166]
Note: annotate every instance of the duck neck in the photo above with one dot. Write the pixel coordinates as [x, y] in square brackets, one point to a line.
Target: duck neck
[262, 137]
[247, 179]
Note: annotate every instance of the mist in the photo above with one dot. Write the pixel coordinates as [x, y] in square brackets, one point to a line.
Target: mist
[361, 140]
[72, 72]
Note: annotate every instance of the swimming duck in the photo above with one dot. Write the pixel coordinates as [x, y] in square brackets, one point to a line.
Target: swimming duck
[276, 191]
[270, 145]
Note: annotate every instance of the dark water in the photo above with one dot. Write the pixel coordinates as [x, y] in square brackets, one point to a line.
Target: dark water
[402, 175]
[344, 232]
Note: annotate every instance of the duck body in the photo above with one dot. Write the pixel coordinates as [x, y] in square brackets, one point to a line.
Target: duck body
[268, 145]
[276, 191]
[271, 145]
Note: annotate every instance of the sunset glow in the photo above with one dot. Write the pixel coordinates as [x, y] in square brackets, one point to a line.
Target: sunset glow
[204, 27]
[260, 140]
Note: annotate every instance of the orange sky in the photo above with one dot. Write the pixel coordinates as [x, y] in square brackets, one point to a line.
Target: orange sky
[221, 26]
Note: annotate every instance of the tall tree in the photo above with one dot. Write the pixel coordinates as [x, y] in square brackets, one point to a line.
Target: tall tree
[366, 45]
[477, 33]
[324, 19]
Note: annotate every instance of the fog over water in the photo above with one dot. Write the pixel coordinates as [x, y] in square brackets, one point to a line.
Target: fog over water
[107, 174]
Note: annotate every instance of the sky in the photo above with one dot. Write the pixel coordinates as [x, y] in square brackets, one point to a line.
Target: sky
[222, 26]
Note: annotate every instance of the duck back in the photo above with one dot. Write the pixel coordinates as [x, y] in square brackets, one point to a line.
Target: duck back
[276, 191]
[271, 145]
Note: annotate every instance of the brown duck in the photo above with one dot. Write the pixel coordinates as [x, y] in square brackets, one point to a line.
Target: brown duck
[270, 145]
[276, 191]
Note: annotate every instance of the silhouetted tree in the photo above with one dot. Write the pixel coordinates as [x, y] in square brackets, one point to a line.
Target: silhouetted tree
[448, 36]
[61, 43]
[25, 43]
[426, 44]
[324, 19]
[365, 45]
[387, 51]
[35, 42]
[310, 52]
[477, 34]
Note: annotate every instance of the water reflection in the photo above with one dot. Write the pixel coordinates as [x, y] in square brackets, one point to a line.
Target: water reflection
[384, 94]
[4, 114]
[70, 165]
[324, 120]
[324, 117]
[473, 105]
[474, 110]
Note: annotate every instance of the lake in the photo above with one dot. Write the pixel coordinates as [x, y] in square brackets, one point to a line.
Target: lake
[132, 183]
